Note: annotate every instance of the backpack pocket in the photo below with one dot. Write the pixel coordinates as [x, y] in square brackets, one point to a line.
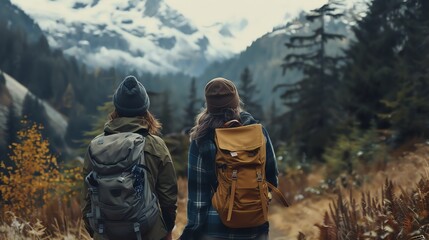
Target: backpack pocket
[246, 218]
[119, 230]
[221, 196]
[117, 190]
[249, 198]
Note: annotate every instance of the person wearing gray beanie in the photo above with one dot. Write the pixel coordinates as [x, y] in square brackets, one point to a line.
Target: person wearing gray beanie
[130, 98]
[132, 115]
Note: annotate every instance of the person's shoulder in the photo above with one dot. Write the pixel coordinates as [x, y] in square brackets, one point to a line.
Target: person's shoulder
[247, 119]
[156, 146]
[155, 139]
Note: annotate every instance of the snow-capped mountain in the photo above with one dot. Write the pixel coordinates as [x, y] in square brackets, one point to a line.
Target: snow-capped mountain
[147, 36]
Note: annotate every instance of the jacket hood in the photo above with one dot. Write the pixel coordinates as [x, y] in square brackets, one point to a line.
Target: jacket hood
[247, 119]
[125, 124]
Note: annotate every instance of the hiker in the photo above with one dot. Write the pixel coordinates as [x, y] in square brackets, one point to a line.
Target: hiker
[130, 183]
[208, 186]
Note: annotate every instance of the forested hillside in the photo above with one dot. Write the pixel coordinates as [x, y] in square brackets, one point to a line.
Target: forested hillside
[264, 57]
[16, 18]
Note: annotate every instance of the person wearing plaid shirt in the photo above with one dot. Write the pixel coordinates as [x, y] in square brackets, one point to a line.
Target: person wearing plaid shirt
[223, 104]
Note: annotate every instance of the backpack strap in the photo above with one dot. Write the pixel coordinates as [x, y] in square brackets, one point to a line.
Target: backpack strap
[137, 230]
[278, 195]
[232, 195]
[261, 193]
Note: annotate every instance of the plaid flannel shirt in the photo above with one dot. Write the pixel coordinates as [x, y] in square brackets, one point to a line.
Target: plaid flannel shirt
[202, 217]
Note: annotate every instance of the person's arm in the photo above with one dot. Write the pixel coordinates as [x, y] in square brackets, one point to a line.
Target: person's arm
[199, 194]
[166, 189]
[271, 171]
[86, 200]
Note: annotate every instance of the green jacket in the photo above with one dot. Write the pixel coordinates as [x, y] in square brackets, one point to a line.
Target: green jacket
[163, 179]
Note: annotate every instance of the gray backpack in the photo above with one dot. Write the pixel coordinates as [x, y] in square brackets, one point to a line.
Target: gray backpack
[122, 203]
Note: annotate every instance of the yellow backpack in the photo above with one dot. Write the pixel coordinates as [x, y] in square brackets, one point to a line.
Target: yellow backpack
[242, 196]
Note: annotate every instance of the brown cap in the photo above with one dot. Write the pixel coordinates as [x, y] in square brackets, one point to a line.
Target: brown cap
[221, 93]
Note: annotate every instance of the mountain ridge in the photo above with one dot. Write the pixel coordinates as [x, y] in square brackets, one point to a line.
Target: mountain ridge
[144, 36]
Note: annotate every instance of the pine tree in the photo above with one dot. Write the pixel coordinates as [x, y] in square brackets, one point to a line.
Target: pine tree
[12, 125]
[166, 114]
[273, 126]
[312, 100]
[369, 71]
[41, 81]
[191, 110]
[33, 109]
[409, 107]
[248, 92]
[2, 79]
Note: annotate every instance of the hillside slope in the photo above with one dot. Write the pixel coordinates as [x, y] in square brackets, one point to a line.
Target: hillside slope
[18, 19]
[15, 94]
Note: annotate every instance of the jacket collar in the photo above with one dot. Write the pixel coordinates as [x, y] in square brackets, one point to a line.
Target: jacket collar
[125, 124]
[247, 119]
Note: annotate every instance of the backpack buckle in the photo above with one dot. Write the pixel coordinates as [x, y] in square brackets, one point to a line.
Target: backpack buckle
[136, 227]
[121, 178]
[93, 191]
[234, 175]
[259, 176]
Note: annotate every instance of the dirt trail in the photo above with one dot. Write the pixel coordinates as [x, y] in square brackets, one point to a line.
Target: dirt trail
[285, 224]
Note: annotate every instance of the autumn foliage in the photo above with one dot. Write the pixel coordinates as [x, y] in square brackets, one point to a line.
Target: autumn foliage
[35, 179]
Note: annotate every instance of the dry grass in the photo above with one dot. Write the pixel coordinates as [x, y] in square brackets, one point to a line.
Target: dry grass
[58, 220]
[181, 207]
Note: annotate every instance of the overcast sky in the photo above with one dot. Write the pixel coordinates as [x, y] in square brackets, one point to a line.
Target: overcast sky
[262, 15]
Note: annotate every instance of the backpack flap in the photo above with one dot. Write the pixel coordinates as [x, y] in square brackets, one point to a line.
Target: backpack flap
[116, 152]
[238, 144]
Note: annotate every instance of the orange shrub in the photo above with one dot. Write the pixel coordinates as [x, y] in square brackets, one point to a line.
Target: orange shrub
[35, 176]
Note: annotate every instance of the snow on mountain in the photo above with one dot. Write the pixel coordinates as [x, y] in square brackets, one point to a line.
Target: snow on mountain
[140, 35]
[18, 92]
[13, 92]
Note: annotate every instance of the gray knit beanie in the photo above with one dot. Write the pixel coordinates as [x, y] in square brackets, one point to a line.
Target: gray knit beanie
[130, 98]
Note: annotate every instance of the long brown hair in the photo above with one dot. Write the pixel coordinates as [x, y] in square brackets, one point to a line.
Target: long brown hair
[154, 126]
[205, 121]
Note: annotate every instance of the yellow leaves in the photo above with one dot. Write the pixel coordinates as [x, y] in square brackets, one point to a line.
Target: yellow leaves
[35, 177]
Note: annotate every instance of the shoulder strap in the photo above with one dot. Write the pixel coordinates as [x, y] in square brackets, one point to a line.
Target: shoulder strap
[142, 156]
[278, 195]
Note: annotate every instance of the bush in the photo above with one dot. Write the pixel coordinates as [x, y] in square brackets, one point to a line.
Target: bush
[34, 178]
[353, 152]
[389, 217]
